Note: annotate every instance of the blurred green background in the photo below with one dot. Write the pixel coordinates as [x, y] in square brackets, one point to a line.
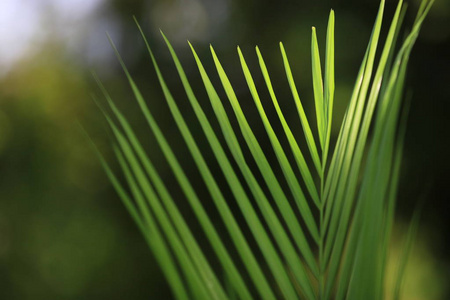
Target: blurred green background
[64, 233]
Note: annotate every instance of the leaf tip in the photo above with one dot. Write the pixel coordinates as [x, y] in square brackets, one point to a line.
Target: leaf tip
[331, 15]
[164, 36]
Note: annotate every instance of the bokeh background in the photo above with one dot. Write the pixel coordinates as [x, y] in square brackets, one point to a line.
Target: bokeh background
[64, 234]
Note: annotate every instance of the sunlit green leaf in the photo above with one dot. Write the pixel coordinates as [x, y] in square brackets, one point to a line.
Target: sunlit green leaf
[326, 235]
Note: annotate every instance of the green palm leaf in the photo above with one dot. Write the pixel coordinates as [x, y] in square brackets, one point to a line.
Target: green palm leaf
[338, 247]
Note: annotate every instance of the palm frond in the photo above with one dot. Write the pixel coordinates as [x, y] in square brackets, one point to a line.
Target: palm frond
[339, 247]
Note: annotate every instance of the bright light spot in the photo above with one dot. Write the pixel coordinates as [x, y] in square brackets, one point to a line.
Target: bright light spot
[20, 24]
[25, 25]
